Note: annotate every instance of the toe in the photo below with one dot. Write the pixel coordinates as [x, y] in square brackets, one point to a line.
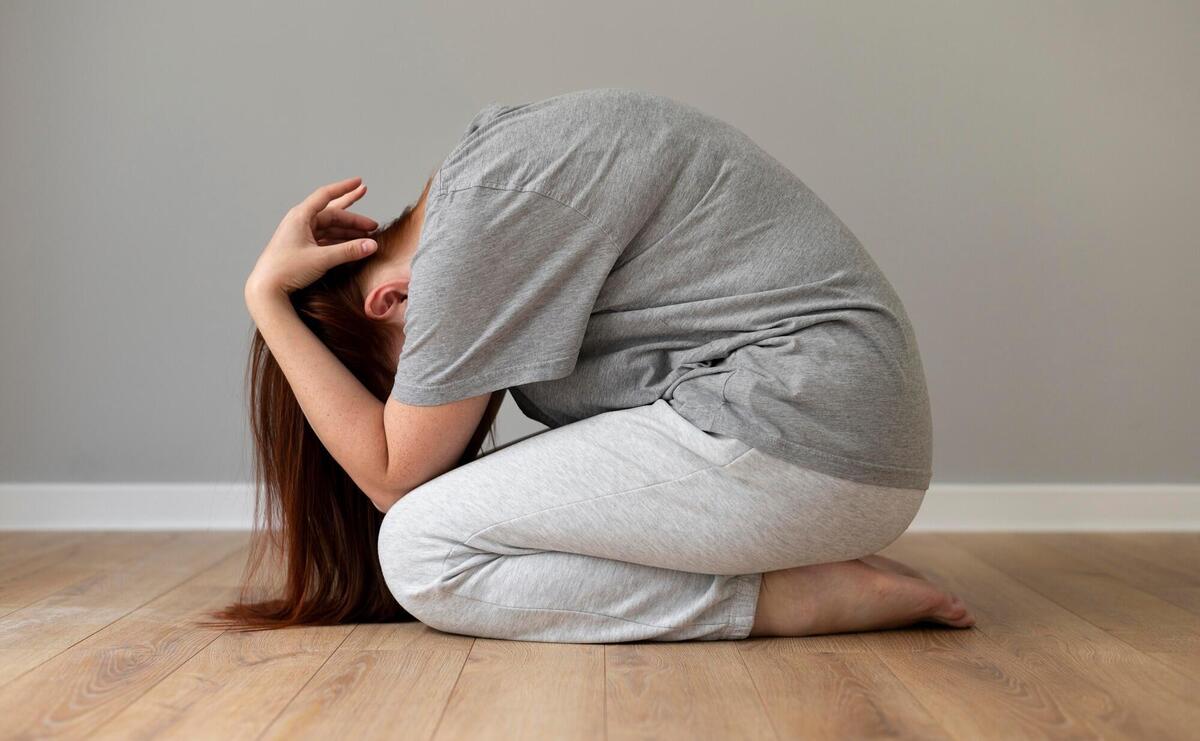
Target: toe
[949, 609]
[958, 615]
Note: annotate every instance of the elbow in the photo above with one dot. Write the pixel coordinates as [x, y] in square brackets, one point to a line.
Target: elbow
[384, 499]
[384, 495]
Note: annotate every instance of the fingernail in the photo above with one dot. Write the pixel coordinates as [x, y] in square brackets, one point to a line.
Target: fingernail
[368, 246]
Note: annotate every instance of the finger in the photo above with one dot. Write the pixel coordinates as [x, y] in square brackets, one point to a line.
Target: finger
[336, 217]
[320, 198]
[335, 254]
[342, 234]
[348, 199]
[348, 231]
[324, 241]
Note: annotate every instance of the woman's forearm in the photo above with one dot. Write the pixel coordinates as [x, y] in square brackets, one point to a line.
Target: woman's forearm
[346, 417]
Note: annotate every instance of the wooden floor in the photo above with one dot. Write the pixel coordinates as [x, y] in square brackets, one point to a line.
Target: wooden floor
[1077, 636]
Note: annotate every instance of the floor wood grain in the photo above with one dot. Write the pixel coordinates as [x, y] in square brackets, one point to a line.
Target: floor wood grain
[1078, 635]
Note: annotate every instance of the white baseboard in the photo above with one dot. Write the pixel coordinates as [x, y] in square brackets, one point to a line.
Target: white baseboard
[1060, 507]
[958, 507]
[133, 506]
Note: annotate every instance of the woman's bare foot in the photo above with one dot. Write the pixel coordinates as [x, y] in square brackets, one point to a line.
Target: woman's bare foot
[850, 596]
[891, 564]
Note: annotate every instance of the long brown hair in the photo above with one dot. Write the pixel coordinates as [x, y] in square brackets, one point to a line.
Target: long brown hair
[318, 526]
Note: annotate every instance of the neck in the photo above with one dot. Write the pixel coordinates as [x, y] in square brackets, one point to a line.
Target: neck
[413, 231]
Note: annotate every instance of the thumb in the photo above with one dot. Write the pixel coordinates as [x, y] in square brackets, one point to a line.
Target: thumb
[355, 249]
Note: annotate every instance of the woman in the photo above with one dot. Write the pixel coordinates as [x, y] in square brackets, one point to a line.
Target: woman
[737, 411]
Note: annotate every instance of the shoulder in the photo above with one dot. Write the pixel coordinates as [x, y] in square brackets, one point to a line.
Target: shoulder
[514, 143]
[498, 219]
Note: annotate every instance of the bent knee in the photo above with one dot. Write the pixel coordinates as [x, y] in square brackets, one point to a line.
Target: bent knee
[412, 546]
[412, 555]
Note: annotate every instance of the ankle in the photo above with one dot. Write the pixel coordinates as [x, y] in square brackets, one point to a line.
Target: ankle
[786, 605]
[764, 610]
[814, 599]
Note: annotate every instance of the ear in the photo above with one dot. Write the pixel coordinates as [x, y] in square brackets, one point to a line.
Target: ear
[386, 300]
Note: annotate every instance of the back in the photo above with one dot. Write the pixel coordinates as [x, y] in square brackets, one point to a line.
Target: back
[607, 248]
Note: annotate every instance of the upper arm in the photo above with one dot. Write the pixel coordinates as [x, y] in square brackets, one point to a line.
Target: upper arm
[502, 291]
[426, 441]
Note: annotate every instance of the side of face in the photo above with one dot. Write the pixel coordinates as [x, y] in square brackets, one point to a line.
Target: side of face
[385, 299]
[385, 281]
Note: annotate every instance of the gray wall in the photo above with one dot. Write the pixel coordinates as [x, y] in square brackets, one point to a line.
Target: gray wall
[1026, 173]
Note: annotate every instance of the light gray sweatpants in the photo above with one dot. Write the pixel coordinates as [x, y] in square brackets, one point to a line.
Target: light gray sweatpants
[629, 525]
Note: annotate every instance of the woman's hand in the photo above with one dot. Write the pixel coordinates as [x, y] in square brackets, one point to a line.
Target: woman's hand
[315, 235]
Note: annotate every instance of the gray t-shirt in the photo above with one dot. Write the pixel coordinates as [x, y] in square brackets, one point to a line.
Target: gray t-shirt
[605, 248]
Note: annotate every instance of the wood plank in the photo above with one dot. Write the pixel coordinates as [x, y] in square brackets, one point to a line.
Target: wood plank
[385, 681]
[1181, 548]
[513, 689]
[834, 643]
[925, 637]
[19, 546]
[989, 694]
[1100, 681]
[234, 687]
[984, 691]
[682, 690]
[1137, 617]
[1140, 560]
[86, 685]
[1077, 635]
[121, 584]
[72, 558]
[833, 695]
[1187, 664]
[1186, 597]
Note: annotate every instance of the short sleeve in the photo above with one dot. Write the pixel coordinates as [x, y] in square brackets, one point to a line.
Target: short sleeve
[503, 284]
